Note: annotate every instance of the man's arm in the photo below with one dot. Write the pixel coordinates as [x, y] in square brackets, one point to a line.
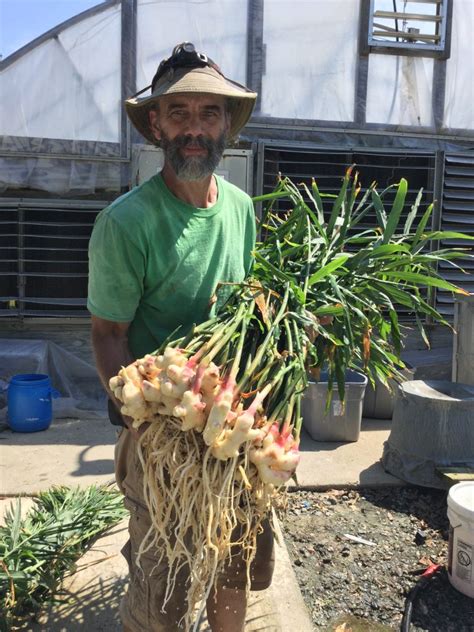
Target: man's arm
[110, 344]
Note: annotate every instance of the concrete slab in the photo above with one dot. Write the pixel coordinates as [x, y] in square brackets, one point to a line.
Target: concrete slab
[326, 465]
[80, 452]
[71, 452]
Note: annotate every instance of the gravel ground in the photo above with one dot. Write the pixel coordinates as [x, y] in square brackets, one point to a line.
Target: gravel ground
[349, 586]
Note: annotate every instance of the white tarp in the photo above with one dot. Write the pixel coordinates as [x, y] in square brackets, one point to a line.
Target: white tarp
[216, 27]
[459, 103]
[67, 87]
[311, 50]
[399, 90]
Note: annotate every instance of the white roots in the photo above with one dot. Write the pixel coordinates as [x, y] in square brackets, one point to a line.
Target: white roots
[195, 503]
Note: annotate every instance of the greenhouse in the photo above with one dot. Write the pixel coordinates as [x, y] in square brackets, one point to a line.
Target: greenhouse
[385, 85]
[263, 278]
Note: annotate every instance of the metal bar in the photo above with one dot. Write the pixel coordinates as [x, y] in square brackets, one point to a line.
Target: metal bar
[362, 66]
[21, 253]
[409, 36]
[61, 224]
[409, 49]
[62, 316]
[438, 93]
[35, 236]
[448, 27]
[309, 125]
[79, 157]
[128, 82]
[258, 187]
[420, 17]
[255, 49]
[53, 275]
[385, 28]
[438, 180]
[44, 318]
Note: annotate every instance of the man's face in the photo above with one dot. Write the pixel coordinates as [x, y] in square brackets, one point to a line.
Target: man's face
[192, 130]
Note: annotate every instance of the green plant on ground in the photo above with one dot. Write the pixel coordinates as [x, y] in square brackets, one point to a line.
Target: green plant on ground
[39, 549]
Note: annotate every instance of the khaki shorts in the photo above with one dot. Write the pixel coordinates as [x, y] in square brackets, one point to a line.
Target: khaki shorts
[140, 609]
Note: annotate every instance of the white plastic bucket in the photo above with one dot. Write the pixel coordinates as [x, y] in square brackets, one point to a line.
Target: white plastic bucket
[461, 537]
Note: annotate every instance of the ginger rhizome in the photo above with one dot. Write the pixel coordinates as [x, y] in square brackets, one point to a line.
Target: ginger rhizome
[223, 434]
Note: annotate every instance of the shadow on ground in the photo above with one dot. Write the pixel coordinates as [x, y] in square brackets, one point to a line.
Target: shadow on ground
[94, 607]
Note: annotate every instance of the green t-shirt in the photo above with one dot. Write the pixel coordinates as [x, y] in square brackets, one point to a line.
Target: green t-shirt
[155, 261]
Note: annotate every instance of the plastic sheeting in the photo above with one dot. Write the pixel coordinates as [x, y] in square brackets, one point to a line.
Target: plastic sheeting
[459, 102]
[68, 86]
[216, 28]
[399, 90]
[61, 177]
[311, 52]
[82, 394]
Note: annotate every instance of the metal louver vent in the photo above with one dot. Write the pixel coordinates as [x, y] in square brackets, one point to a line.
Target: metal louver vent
[458, 216]
[43, 256]
[328, 166]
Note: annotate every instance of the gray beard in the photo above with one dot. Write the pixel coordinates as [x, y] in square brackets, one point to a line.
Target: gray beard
[193, 168]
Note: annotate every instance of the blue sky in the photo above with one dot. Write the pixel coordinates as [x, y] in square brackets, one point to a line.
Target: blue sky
[23, 20]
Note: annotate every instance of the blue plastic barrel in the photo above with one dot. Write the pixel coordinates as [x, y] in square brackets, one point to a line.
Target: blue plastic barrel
[29, 402]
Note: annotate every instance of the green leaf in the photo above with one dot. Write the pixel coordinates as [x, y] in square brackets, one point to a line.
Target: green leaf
[329, 310]
[447, 234]
[379, 252]
[413, 212]
[396, 336]
[269, 266]
[394, 217]
[328, 269]
[425, 280]
[339, 203]
[270, 196]
[379, 210]
[421, 226]
[318, 203]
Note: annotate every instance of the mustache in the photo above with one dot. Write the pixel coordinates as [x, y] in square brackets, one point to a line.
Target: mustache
[193, 142]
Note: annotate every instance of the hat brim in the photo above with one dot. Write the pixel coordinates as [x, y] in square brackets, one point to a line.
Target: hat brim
[193, 81]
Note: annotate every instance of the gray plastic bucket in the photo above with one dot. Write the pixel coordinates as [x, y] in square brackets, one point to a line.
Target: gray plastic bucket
[342, 421]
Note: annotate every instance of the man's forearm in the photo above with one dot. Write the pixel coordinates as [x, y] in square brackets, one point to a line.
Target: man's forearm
[110, 343]
[111, 353]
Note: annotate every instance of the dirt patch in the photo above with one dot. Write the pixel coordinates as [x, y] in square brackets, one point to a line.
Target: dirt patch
[350, 585]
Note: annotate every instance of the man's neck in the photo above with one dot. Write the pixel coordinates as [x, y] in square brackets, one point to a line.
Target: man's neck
[197, 193]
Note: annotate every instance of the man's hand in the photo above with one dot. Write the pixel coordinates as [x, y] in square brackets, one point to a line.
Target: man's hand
[135, 432]
[110, 344]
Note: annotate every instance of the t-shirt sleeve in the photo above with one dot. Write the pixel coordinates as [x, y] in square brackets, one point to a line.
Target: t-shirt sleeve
[116, 272]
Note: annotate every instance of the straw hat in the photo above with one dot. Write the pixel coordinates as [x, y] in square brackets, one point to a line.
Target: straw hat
[187, 71]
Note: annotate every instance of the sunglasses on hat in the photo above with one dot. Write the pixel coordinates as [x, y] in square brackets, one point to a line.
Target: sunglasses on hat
[184, 55]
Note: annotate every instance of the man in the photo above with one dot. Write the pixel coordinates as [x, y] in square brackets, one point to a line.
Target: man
[157, 255]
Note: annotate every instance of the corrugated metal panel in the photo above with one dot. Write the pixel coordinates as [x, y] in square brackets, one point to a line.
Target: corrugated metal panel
[457, 215]
[43, 256]
[328, 166]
